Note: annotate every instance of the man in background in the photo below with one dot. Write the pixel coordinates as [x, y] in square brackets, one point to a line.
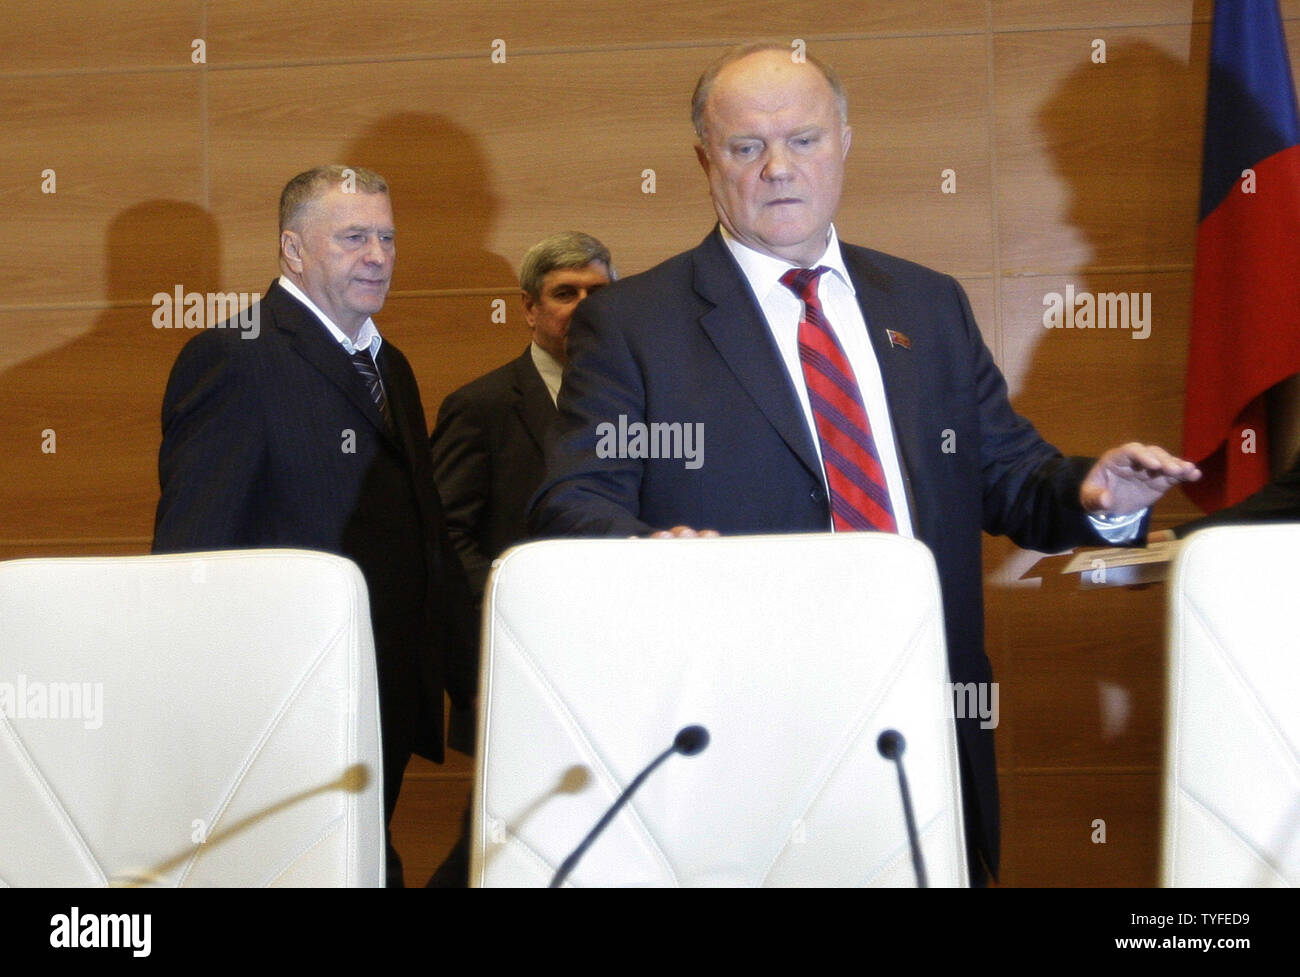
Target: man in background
[488, 444]
[309, 432]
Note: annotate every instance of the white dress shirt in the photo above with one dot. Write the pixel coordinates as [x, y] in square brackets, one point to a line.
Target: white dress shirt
[551, 369]
[783, 311]
[368, 337]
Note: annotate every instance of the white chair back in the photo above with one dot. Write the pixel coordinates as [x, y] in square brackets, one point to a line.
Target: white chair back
[1232, 754]
[795, 652]
[205, 719]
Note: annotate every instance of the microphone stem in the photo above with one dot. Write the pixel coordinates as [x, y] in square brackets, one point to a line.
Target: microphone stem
[917, 864]
[567, 866]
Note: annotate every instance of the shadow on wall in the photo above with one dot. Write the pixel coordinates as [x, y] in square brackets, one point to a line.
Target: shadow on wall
[442, 199]
[1126, 138]
[95, 400]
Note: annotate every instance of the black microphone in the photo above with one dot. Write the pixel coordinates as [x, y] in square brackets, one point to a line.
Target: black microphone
[891, 746]
[689, 741]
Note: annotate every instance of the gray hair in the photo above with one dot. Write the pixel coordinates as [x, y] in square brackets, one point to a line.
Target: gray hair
[568, 249]
[705, 84]
[307, 186]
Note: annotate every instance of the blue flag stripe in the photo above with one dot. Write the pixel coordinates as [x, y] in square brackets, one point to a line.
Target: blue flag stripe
[1250, 108]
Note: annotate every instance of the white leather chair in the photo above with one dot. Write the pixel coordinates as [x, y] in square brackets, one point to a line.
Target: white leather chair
[795, 652]
[1232, 754]
[188, 720]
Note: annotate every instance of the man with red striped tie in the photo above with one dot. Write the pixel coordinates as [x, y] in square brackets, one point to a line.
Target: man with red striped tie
[832, 388]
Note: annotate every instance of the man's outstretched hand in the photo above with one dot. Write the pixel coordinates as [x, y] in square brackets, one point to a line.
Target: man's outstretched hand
[683, 532]
[1132, 477]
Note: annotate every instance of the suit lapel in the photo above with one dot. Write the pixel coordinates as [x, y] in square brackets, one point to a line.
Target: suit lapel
[534, 405]
[737, 329]
[900, 368]
[312, 342]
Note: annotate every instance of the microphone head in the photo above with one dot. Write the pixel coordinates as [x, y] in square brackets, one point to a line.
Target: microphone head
[691, 740]
[891, 744]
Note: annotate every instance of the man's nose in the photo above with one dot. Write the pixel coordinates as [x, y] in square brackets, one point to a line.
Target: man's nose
[777, 165]
[376, 251]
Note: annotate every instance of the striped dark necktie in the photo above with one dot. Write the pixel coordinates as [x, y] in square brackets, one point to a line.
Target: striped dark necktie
[854, 478]
[370, 373]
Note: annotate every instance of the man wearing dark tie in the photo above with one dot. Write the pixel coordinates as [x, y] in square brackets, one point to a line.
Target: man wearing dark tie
[837, 388]
[308, 432]
[487, 445]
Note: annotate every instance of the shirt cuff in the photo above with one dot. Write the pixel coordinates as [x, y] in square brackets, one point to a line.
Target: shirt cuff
[1118, 530]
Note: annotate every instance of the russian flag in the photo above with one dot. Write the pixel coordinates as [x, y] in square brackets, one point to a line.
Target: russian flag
[1245, 332]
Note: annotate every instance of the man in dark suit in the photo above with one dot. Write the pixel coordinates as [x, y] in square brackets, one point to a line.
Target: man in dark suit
[1278, 501]
[835, 388]
[487, 446]
[307, 431]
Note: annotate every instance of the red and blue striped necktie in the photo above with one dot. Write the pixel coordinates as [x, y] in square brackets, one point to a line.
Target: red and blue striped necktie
[854, 477]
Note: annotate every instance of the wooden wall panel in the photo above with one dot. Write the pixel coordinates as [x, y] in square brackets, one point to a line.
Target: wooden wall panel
[101, 395]
[282, 31]
[480, 193]
[1035, 15]
[911, 122]
[1081, 683]
[1051, 817]
[1088, 389]
[483, 159]
[1099, 164]
[1029, 15]
[40, 549]
[429, 811]
[981, 293]
[91, 35]
[113, 140]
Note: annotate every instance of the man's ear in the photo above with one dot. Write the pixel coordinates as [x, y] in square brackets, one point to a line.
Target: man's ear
[530, 308]
[846, 137]
[702, 155]
[291, 249]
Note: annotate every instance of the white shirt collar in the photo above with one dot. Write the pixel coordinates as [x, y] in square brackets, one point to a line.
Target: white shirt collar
[368, 337]
[551, 370]
[764, 272]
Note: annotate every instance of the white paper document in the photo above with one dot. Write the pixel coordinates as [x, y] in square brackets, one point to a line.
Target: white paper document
[1113, 557]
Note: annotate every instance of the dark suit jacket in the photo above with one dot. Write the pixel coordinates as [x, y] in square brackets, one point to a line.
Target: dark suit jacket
[275, 442]
[1278, 501]
[488, 461]
[686, 342]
